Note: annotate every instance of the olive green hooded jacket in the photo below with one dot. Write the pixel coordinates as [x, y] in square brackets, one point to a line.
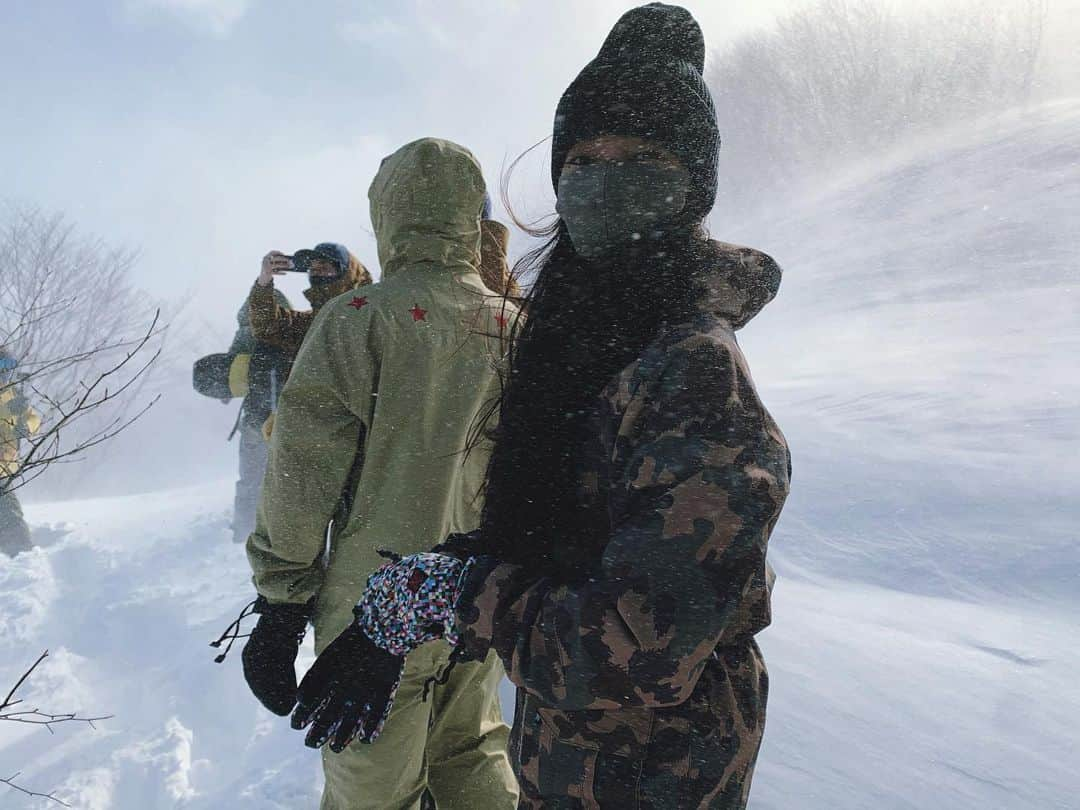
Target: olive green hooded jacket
[373, 424]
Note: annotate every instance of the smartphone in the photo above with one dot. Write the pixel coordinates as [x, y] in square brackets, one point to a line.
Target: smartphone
[292, 268]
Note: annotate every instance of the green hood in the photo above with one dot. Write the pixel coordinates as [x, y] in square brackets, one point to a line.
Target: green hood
[425, 207]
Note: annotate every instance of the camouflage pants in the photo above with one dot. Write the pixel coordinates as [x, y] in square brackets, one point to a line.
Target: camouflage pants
[697, 755]
[253, 456]
[14, 533]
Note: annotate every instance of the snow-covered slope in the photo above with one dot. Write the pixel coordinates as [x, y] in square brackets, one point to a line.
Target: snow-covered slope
[127, 603]
[879, 699]
[920, 357]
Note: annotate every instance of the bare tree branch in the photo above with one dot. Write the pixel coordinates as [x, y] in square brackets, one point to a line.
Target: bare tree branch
[36, 717]
[87, 340]
[68, 312]
[10, 699]
[11, 783]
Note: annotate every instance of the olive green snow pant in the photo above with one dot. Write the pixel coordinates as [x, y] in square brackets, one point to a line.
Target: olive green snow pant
[14, 533]
[454, 745]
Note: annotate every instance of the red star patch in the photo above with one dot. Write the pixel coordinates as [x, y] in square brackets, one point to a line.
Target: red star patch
[417, 313]
[358, 303]
[502, 321]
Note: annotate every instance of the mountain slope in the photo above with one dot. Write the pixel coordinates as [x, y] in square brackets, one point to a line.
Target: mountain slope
[921, 357]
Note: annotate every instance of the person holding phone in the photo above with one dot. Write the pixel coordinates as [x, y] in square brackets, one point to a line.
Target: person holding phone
[331, 270]
[251, 371]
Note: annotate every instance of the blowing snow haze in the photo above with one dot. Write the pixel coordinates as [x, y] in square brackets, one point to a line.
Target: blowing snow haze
[203, 135]
[915, 169]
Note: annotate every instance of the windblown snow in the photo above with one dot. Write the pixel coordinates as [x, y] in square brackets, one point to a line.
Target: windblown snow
[921, 358]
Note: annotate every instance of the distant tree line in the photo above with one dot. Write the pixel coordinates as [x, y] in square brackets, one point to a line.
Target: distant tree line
[86, 339]
[843, 79]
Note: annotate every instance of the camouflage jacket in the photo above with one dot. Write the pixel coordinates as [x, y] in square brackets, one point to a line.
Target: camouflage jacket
[643, 687]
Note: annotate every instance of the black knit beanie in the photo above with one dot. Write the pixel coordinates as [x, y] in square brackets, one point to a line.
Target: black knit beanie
[647, 82]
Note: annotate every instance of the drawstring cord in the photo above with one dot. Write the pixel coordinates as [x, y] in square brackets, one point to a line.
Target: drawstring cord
[442, 677]
[232, 632]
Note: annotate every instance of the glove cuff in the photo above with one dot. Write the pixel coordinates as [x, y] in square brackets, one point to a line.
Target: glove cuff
[460, 546]
[285, 614]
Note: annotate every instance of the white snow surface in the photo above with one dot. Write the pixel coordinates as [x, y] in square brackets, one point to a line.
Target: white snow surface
[127, 603]
[924, 649]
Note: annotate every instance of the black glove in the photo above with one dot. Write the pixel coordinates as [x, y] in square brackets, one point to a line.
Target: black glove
[270, 653]
[348, 692]
[461, 546]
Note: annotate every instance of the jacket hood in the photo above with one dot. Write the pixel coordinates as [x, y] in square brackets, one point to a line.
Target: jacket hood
[737, 282]
[356, 275]
[425, 207]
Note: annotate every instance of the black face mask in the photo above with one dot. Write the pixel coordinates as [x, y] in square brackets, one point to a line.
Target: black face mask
[609, 204]
[323, 281]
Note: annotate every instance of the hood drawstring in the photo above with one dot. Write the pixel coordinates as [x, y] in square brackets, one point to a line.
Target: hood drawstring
[232, 632]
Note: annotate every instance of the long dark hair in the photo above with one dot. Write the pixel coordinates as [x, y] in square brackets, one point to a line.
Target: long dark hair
[585, 321]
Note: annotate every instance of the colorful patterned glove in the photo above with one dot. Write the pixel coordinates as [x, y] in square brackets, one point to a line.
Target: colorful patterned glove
[411, 601]
[349, 690]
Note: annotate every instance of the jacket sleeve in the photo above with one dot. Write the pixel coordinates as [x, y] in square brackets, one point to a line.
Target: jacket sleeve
[317, 434]
[705, 473]
[30, 422]
[243, 341]
[274, 324]
[19, 417]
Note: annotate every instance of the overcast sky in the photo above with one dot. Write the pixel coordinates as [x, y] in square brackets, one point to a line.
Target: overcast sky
[205, 132]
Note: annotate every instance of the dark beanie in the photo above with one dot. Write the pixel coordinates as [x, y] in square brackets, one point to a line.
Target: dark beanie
[647, 82]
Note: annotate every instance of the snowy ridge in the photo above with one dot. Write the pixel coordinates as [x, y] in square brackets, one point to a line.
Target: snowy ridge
[921, 358]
